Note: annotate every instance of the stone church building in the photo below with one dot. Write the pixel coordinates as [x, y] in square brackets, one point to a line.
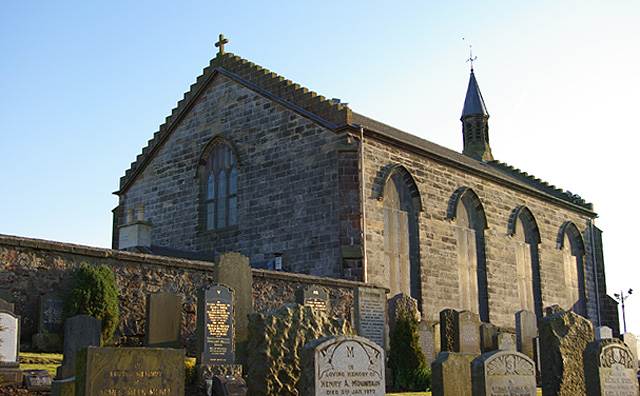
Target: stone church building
[251, 162]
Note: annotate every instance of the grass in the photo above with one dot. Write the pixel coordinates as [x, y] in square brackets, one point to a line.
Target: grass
[40, 361]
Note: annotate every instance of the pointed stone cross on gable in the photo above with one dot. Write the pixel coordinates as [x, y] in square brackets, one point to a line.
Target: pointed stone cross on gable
[221, 44]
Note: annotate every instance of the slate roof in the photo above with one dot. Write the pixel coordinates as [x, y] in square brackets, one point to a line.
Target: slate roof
[334, 116]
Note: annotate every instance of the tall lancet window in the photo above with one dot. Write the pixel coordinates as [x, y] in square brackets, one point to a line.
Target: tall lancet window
[467, 213]
[572, 245]
[526, 236]
[401, 204]
[221, 187]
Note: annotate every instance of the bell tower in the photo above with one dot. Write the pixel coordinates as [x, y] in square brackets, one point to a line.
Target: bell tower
[475, 122]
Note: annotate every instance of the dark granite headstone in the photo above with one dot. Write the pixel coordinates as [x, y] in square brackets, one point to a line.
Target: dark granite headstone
[6, 306]
[610, 369]
[314, 297]
[469, 332]
[229, 386]
[50, 313]
[503, 373]
[164, 316]
[215, 332]
[449, 341]
[563, 338]
[487, 331]
[451, 374]
[37, 380]
[80, 332]
[130, 371]
[526, 331]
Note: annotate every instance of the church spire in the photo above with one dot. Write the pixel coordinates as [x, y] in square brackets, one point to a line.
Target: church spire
[475, 121]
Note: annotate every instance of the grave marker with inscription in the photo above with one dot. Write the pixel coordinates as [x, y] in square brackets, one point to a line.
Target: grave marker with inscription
[370, 307]
[9, 348]
[164, 316]
[503, 373]
[130, 371]
[427, 339]
[49, 335]
[469, 332]
[343, 365]
[449, 341]
[526, 331]
[215, 338]
[609, 369]
[314, 297]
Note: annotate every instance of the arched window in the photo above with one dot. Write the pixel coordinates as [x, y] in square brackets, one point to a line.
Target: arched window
[526, 236]
[467, 213]
[401, 204]
[572, 245]
[221, 191]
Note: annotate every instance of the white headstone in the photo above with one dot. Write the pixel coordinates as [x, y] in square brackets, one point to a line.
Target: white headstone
[8, 337]
[632, 342]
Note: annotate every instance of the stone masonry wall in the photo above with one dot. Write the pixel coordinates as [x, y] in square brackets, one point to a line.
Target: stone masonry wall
[440, 282]
[31, 267]
[287, 182]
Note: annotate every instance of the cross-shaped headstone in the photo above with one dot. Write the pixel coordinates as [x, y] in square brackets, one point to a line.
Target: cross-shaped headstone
[221, 44]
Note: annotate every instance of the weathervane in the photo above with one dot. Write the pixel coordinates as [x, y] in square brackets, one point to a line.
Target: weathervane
[471, 58]
[222, 41]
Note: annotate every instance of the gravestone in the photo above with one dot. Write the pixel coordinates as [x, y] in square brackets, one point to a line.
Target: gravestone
[449, 342]
[487, 331]
[6, 306]
[451, 374]
[49, 337]
[398, 303]
[526, 331]
[469, 332]
[80, 332]
[553, 309]
[632, 342]
[610, 369]
[215, 327]
[503, 373]
[603, 332]
[427, 340]
[228, 386]
[343, 365]
[164, 317]
[504, 342]
[37, 380]
[9, 348]
[130, 371]
[563, 338]
[314, 297]
[370, 314]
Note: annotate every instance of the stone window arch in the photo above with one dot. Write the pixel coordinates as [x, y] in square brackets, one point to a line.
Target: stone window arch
[218, 174]
[466, 212]
[571, 244]
[401, 205]
[523, 228]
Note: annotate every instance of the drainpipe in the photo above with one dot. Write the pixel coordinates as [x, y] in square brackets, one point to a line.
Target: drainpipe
[592, 229]
[363, 221]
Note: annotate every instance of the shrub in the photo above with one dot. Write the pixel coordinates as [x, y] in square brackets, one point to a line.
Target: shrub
[95, 293]
[190, 373]
[406, 359]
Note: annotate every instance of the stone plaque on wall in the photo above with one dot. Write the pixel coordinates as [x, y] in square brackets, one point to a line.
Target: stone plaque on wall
[371, 314]
[314, 297]
[215, 331]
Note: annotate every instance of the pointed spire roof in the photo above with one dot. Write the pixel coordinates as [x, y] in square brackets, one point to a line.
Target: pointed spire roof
[473, 103]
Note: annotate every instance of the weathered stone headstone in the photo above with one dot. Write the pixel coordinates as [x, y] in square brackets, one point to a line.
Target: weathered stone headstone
[370, 314]
[6, 306]
[487, 331]
[234, 271]
[49, 338]
[526, 331]
[603, 332]
[504, 342]
[80, 332]
[553, 309]
[215, 330]
[451, 374]
[609, 369]
[503, 373]
[130, 371]
[449, 341]
[399, 303]
[37, 380]
[282, 333]
[632, 342]
[469, 332]
[436, 336]
[427, 340]
[563, 338]
[314, 297]
[9, 348]
[343, 365]
[164, 317]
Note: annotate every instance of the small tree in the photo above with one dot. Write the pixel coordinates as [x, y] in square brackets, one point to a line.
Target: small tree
[95, 293]
[406, 359]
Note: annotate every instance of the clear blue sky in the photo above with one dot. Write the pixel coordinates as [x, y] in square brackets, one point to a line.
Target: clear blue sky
[85, 84]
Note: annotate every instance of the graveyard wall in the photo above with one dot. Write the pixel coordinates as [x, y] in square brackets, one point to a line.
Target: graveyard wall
[33, 267]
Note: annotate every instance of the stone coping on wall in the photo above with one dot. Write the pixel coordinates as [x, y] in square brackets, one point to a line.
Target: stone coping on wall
[82, 250]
